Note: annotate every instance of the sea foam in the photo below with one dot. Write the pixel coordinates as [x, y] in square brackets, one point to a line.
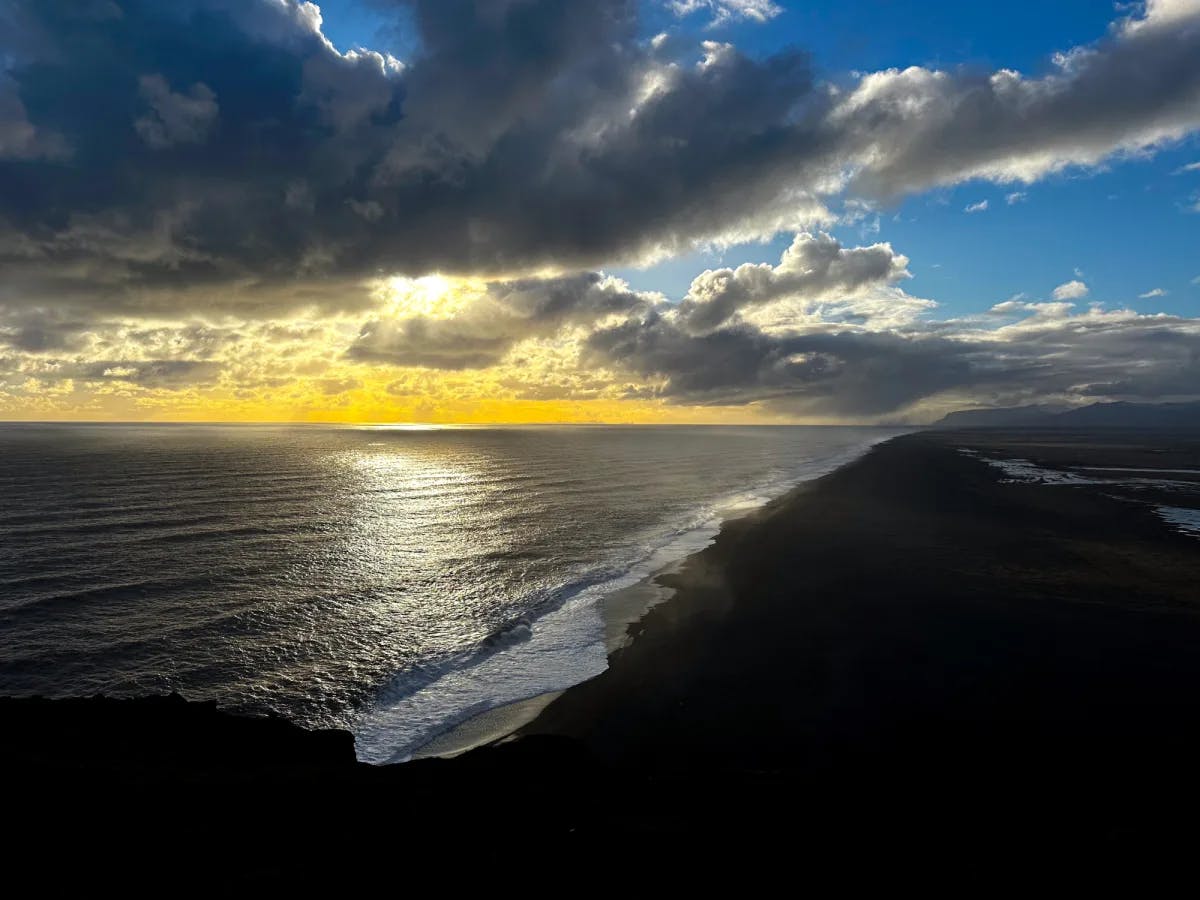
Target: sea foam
[563, 647]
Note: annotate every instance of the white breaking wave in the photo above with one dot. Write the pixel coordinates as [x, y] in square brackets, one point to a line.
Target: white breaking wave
[1132, 469]
[558, 649]
[1023, 471]
[1185, 520]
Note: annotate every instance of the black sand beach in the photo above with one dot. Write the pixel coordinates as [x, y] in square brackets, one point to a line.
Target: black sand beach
[907, 657]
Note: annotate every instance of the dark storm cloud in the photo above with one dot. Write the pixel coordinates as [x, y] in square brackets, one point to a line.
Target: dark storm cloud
[41, 331]
[187, 128]
[174, 155]
[851, 373]
[174, 118]
[1117, 356]
[871, 374]
[527, 141]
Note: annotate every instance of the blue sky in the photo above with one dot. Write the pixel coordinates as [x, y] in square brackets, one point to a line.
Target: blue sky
[1126, 226]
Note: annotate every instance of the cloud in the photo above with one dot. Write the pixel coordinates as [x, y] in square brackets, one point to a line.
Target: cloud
[738, 338]
[1155, 292]
[1071, 290]
[723, 11]
[1016, 197]
[229, 149]
[857, 374]
[489, 320]
[19, 139]
[1158, 14]
[235, 208]
[1134, 90]
[168, 373]
[981, 206]
[852, 373]
[1190, 167]
[826, 333]
[814, 268]
[154, 374]
[335, 386]
[174, 118]
[1041, 311]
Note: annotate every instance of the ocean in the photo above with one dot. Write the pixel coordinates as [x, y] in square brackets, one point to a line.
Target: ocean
[395, 581]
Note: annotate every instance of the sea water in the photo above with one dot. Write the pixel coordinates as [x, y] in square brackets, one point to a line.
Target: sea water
[395, 581]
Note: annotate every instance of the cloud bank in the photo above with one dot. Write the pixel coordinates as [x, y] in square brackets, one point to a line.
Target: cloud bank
[193, 191]
[230, 143]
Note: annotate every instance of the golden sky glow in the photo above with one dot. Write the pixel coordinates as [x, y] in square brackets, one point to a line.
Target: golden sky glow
[300, 402]
[296, 369]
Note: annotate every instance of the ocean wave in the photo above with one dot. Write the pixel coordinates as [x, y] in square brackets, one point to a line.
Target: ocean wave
[1181, 518]
[563, 643]
[1023, 471]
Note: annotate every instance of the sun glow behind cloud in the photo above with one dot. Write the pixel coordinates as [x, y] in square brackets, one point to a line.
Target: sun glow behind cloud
[297, 369]
[430, 295]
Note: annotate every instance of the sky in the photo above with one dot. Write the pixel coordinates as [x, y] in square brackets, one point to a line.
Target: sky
[619, 211]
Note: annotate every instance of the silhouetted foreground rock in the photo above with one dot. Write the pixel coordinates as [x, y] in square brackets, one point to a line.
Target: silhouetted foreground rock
[149, 733]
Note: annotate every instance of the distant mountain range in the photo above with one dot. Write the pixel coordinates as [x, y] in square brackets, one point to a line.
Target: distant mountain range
[1096, 415]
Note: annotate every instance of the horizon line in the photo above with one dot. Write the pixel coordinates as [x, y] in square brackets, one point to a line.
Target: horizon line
[433, 425]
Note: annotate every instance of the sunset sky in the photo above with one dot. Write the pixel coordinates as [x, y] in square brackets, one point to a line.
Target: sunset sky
[548, 211]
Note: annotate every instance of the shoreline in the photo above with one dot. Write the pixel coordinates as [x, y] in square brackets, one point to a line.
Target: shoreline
[711, 655]
[619, 610]
[907, 656]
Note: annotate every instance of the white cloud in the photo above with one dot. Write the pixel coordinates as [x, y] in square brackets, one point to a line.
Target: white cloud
[1156, 292]
[1127, 94]
[1190, 167]
[1160, 14]
[723, 11]
[981, 206]
[815, 270]
[1071, 290]
[1016, 197]
[1041, 311]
